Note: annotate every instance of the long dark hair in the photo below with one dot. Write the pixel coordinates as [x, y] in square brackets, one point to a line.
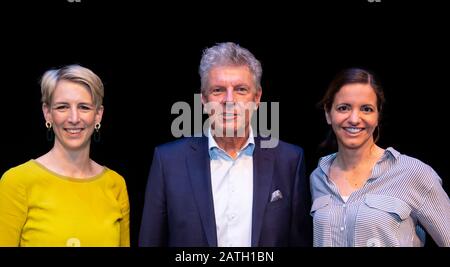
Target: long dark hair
[345, 77]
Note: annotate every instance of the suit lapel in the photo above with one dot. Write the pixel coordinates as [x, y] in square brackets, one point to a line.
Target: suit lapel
[200, 176]
[263, 163]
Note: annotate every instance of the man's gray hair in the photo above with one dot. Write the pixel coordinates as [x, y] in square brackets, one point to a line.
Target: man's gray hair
[228, 54]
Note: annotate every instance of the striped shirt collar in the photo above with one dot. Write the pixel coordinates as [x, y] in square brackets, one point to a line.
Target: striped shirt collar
[325, 162]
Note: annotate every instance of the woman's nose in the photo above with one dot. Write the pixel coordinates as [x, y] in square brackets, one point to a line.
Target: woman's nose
[74, 116]
[354, 117]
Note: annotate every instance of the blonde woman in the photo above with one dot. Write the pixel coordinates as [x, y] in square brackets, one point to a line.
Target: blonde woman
[64, 198]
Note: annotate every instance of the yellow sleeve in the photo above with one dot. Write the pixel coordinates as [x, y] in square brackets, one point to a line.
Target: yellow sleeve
[13, 209]
[125, 222]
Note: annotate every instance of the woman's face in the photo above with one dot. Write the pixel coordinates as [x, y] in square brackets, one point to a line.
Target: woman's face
[73, 115]
[354, 115]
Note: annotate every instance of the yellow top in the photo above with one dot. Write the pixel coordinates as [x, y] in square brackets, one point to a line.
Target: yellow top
[41, 208]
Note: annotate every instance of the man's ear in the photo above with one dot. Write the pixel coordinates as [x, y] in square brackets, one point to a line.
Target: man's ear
[203, 98]
[258, 97]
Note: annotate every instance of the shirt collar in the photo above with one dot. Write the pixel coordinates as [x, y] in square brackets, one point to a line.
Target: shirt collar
[325, 162]
[391, 152]
[248, 147]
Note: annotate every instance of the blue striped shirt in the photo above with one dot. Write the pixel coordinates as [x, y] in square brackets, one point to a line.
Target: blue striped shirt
[402, 198]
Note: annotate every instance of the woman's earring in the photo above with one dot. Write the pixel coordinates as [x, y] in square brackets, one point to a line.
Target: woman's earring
[97, 132]
[50, 135]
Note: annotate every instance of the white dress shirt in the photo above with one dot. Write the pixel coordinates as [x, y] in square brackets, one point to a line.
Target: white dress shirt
[232, 188]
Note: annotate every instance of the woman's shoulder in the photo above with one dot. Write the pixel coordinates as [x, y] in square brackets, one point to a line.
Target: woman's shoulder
[409, 162]
[113, 175]
[19, 173]
[23, 168]
[105, 171]
[414, 168]
[321, 171]
[324, 164]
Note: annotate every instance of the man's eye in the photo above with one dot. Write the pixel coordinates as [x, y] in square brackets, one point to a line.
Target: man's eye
[217, 90]
[85, 107]
[242, 90]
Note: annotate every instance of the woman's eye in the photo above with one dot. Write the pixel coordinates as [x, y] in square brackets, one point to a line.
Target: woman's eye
[61, 108]
[342, 108]
[367, 109]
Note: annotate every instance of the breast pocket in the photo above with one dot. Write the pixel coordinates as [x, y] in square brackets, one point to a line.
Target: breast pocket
[387, 206]
[320, 203]
[379, 221]
[320, 211]
[277, 204]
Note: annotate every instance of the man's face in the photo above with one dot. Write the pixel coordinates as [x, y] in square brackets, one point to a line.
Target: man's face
[230, 99]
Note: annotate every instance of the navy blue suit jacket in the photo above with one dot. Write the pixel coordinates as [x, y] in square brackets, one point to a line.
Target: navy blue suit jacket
[179, 208]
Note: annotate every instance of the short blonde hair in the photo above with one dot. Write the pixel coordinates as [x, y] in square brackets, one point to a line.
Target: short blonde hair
[72, 73]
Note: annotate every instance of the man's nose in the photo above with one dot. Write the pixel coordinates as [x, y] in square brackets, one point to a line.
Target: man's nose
[229, 95]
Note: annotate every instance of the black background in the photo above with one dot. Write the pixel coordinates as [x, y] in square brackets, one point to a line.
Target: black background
[147, 55]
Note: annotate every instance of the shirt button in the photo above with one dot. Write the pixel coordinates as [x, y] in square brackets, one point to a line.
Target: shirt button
[342, 228]
[344, 206]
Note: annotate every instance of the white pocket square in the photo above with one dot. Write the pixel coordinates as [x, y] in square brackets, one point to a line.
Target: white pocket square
[276, 195]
